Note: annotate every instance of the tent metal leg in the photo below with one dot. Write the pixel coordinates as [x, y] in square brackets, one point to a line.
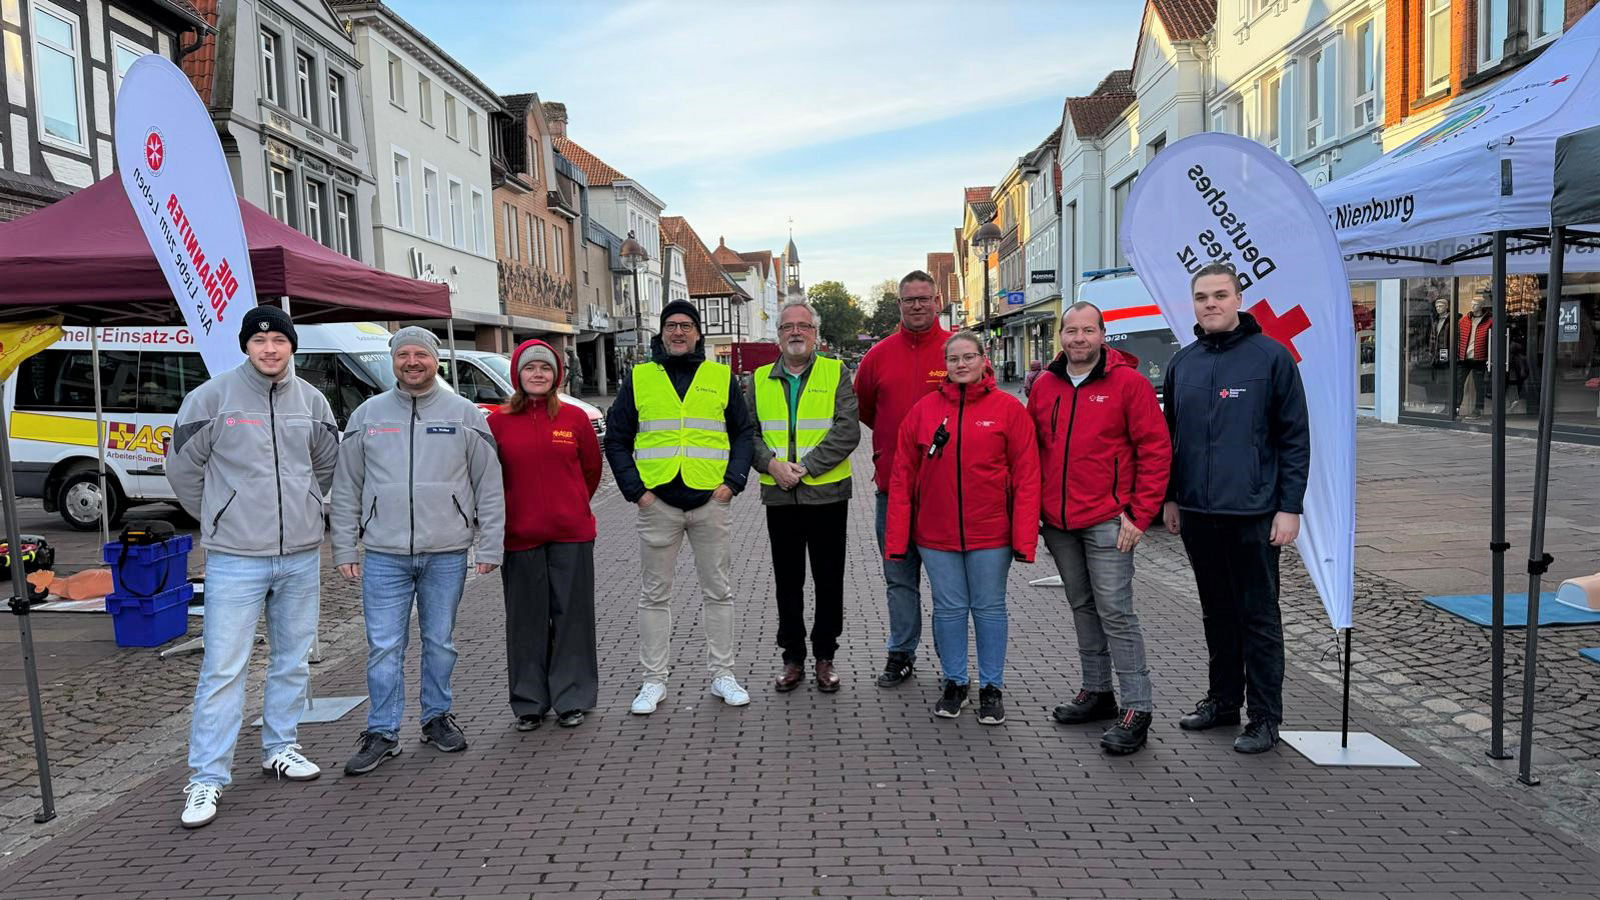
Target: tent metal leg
[1344, 727]
[455, 370]
[1497, 515]
[101, 435]
[1538, 560]
[19, 606]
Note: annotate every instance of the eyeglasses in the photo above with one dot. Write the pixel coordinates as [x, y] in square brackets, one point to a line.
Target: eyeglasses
[916, 301]
[680, 327]
[796, 326]
[965, 359]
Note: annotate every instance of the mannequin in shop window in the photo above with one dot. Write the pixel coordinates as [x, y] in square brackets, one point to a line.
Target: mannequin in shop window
[1472, 354]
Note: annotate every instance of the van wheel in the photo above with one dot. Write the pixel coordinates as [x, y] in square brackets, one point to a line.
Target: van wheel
[79, 500]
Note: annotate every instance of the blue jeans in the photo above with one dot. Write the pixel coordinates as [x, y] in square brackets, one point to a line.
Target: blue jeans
[972, 583]
[237, 588]
[903, 578]
[389, 582]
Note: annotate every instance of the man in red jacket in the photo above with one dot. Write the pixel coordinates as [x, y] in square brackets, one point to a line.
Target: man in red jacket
[897, 372]
[1105, 452]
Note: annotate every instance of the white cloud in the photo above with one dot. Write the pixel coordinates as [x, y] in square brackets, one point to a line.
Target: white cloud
[654, 85]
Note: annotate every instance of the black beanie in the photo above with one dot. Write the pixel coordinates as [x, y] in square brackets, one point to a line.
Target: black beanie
[267, 318]
[681, 307]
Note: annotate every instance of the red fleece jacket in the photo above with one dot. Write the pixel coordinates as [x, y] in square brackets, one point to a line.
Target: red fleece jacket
[897, 372]
[551, 470]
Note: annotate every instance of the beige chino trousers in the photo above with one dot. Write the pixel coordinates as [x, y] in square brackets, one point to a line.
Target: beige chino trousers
[662, 528]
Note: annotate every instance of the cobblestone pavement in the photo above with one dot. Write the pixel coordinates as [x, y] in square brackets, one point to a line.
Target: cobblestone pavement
[862, 793]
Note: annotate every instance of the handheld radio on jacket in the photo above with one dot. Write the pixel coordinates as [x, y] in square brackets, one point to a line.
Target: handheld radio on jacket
[940, 438]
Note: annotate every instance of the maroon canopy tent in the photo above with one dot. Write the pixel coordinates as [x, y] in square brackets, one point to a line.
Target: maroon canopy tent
[85, 257]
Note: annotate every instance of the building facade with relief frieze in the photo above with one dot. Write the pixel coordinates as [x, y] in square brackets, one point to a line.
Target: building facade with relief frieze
[281, 79]
[532, 227]
[428, 118]
[63, 64]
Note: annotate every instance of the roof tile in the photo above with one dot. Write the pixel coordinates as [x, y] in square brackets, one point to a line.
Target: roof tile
[201, 65]
[598, 173]
[705, 277]
[1186, 20]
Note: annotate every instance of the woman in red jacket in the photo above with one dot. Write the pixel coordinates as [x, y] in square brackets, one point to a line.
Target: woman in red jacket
[965, 493]
[550, 458]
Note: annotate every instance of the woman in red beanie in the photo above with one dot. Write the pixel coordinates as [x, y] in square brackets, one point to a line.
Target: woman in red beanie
[550, 458]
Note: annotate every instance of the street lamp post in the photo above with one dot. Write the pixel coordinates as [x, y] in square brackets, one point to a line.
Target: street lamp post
[983, 240]
[636, 257]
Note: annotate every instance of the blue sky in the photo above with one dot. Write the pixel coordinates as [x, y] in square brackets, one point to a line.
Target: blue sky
[861, 121]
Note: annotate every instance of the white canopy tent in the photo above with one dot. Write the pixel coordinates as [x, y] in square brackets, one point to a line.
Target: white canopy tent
[1473, 196]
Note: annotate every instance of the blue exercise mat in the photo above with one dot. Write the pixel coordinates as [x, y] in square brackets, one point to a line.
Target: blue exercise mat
[1592, 654]
[1477, 609]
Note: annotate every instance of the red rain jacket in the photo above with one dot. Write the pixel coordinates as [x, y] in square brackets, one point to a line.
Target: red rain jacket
[1103, 445]
[981, 489]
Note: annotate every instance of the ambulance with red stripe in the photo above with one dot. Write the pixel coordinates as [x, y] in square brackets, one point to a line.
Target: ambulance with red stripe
[144, 375]
[1134, 323]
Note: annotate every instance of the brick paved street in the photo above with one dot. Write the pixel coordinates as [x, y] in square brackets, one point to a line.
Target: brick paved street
[863, 793]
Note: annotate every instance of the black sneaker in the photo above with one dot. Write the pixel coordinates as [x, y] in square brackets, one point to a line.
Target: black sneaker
[1259, 737]
[572, 718]
[899, 667]
[1088, 706]
[529, 722]
[442, 732]
[1128, 735]
[374, 749]
[1207, 714]
[949, 705]
[990, 710]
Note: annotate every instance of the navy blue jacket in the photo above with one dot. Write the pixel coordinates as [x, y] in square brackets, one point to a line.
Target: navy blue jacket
[622, 426]
[1241, 440]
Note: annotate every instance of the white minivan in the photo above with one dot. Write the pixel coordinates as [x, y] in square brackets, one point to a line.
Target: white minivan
[1134, 323]
[144, 375]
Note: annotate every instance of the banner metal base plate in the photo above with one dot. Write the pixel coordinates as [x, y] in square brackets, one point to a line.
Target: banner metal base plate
[1322, 748]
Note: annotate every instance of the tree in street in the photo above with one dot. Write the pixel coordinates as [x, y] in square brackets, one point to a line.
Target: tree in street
[842, 318]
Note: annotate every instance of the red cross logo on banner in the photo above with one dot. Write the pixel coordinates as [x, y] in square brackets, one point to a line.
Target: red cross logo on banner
[1559, 80]
[155, 151]
[1282, 329]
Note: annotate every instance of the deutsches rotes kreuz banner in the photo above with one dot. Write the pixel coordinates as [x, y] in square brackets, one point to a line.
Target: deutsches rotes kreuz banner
[177, 179]
[1217, 197]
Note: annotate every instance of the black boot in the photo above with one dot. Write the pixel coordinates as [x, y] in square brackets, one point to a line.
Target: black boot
[951, 701]
[1128, 735]
[897, 669]
[1258, 737]
[1088, 706]
[1207, 714]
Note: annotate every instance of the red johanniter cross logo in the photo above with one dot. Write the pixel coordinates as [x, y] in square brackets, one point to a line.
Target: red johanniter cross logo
[1281, 329]
[154, 151]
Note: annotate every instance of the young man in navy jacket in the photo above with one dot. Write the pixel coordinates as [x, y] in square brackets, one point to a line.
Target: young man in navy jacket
[1241, 451]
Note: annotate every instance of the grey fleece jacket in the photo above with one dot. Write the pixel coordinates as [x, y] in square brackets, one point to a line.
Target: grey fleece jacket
[417, 474]
[843, 436]
[251, 459]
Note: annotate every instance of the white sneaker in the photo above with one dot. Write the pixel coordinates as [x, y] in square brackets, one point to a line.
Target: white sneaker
[288, 763]
[200, 804]
[727, 687]
[649, 698]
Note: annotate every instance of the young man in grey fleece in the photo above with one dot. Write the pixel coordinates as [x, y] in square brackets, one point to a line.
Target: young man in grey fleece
[252, 453]
[418, 481]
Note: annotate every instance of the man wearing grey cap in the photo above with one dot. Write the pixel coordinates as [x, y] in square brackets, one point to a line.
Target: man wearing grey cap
[418, 482]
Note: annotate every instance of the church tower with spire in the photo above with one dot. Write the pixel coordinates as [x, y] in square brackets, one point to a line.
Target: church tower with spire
[791, 286]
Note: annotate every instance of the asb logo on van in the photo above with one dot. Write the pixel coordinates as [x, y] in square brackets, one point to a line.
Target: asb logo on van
[128, 437]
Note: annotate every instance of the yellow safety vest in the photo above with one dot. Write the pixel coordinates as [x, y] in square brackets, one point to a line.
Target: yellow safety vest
[687, 436]
[812, 418]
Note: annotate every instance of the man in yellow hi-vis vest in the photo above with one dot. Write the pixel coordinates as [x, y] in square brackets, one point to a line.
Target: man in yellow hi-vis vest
[805, 411]
[678, 440]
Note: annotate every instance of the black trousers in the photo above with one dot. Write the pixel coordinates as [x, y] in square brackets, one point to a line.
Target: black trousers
[551, 662]
[1236, 570]
[818, 531]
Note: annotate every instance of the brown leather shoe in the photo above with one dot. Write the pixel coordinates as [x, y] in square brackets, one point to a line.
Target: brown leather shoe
[827, 680]
[792, 675]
